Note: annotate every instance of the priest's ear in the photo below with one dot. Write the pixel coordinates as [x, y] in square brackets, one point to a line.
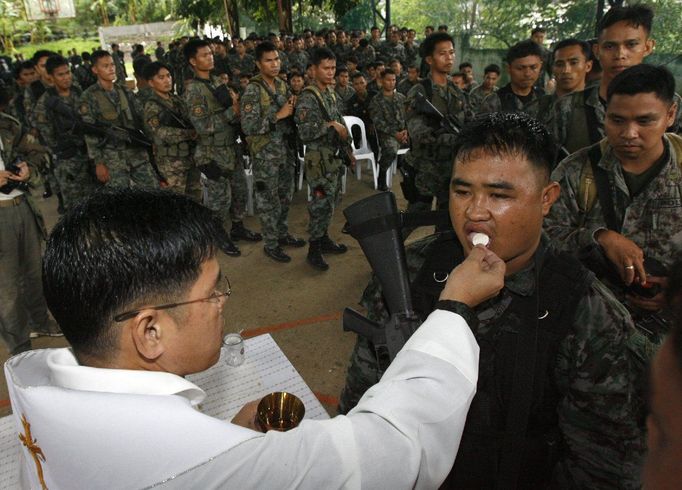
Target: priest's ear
[146, 333]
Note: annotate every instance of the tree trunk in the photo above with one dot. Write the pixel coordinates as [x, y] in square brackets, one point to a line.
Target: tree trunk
[234, 17]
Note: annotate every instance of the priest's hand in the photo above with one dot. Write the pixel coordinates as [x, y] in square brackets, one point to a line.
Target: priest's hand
[246, 417]
[478, 278]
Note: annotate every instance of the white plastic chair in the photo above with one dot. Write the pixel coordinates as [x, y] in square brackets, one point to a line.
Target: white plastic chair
[394, 167]
[361, 149]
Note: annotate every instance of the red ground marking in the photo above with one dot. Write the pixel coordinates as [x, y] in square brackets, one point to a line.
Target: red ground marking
[327, 399]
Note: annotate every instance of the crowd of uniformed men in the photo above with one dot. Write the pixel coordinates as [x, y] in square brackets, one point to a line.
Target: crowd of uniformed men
[212, 108]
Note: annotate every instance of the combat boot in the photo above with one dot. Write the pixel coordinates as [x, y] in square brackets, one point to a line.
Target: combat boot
[381, 180]
[291, 241]
[277, 254]
[329, 246]
[227, 245]
[240, 232]
[315, 257]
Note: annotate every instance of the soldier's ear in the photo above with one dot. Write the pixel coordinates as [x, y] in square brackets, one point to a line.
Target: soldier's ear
[549, 196]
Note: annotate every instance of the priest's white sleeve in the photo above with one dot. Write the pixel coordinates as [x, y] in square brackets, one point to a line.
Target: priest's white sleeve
[404, 433]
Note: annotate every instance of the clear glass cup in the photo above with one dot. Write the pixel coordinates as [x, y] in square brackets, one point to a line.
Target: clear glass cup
[234, 349]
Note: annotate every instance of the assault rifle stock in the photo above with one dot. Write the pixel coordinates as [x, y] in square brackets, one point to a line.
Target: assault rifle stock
[425, 107]
[376, 224]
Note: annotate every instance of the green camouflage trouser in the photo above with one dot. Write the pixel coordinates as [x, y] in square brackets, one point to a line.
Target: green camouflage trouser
[75, 179]
[274, 184]
[325, 197]
[362, 375]
[389, 150]
[227, 195]
[182, 176]
[129, 167]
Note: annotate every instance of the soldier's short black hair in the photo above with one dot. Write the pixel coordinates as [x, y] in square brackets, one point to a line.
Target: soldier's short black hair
[442, 27]
[264, 47]
[352, 59]
[295, 74]
[119, 249]
[387, 71]
[356, 74]
[192, 46]
[24, 65]
[99, 54]
[86, 56]
[458, 74]
[634, 15]
[571, 41]
[341, 69]
[139, 64]
[54, 62]
[644, 78]
[492, 68]
[42, 53]
[504, 133]
[321, 54]
[538, 29]
[429, 45]
[523, 49]
[153, 68]
[374, 28]
[466, 64]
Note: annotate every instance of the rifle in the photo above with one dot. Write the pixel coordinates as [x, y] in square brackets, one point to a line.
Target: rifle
[108, 132]
[448, 124]
[376, 224]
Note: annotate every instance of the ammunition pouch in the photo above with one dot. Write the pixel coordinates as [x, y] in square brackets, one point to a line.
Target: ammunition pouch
[257, 142]
[320, 163]
[223, 138]
[179, 150]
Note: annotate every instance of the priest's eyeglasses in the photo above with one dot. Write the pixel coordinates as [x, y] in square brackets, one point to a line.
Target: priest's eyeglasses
[223, 290]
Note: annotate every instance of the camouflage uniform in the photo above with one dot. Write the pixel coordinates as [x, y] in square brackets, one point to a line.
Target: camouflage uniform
[245, 65]
[342, 52]
[174, 142]
[411, 54]
[272, 155]
[505, 100]
[215, 152]
[322, 165]
[571, 124]
[284, 61]
[344, 95]
[652, 218]
[22, 304]
[117, 107]
[476, 97]
[431, 154]
[299, 60]
[67, 143]
[388, 115]
[143, 95]
[596, 371]
[365, 56]
[120, 64]
[391, 51]
[405, 85]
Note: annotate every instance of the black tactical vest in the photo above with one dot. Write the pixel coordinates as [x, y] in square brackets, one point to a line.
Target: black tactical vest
[563, 283]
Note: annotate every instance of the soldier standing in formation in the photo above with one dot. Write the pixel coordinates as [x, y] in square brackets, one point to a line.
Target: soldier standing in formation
[213, 111]
[432, 148]
[321, 129]
[491, 74]
[56, 114]
[167, 118]
[387, 110]
[119, 62]
[267, 109]
[118, 162]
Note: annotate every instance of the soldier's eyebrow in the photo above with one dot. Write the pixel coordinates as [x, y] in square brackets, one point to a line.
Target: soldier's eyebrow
[458, 181]
[500, 185]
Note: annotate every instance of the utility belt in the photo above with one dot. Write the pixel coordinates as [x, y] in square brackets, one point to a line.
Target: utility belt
[15, 201]
[321, 162]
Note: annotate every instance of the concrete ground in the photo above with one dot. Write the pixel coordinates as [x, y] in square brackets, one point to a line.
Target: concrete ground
[300, 306]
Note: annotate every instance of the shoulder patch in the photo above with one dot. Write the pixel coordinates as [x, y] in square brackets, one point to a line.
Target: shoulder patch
[84, 108]
[154, 122]
[302, 113]
[198, 110]
[248, 107]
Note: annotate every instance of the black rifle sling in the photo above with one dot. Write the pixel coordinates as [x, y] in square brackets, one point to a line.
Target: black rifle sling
[601, 179]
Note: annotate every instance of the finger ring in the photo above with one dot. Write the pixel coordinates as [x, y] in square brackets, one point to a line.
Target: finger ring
[630, 267]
